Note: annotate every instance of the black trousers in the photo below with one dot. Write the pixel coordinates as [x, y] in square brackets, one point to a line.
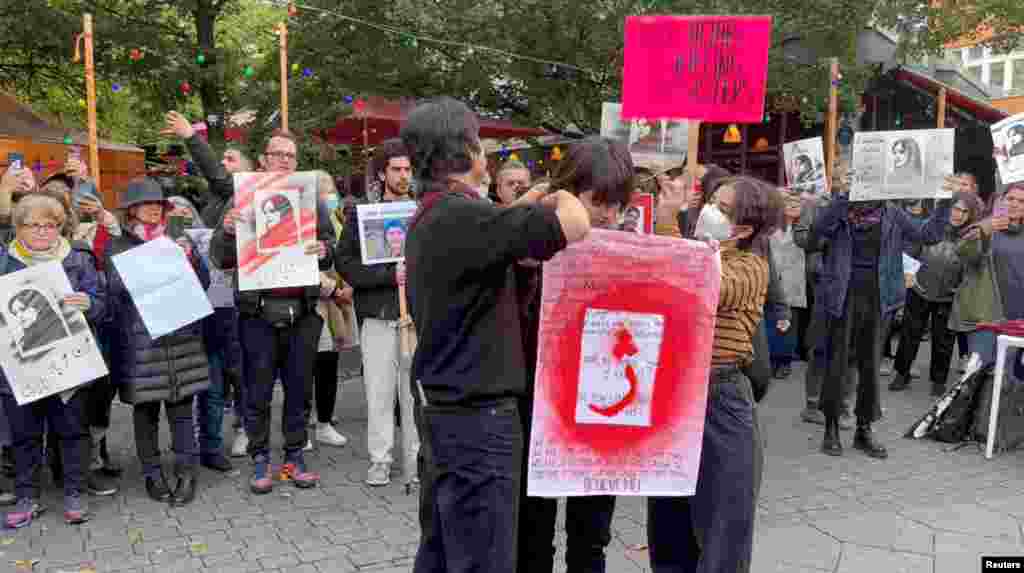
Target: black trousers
[855, 341]
[470, 496]
[65, 422]
[267, 349]
[146, 419]
[325, 382]
[588, 524]
[916, 316]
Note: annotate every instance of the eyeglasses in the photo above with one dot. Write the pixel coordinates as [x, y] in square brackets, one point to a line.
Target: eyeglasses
[41, 227]
[284, 156]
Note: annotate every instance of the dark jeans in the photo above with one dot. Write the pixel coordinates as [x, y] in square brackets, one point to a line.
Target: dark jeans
[101, 392]
[713, 531]
[65, 421]
[782, 346]
[588, 524]
[146, 418]
[473, 458]
[915, 320]
[211, 407]
[326, 381]
[293, 350]
[961, 345]
[855, 341]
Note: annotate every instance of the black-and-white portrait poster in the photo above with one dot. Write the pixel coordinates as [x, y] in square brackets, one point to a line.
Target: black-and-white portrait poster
[45, 347]
[805, 165]
[908, 164]
[1008, 148]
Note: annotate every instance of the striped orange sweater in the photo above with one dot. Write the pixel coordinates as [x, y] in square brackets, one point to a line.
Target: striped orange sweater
[740, 306]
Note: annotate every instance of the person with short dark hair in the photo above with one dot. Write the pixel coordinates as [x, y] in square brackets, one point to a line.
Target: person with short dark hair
[377, 310]
[469, 371]
[600, 172]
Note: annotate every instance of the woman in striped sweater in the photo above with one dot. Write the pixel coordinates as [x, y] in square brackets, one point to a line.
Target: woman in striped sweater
[713, 531]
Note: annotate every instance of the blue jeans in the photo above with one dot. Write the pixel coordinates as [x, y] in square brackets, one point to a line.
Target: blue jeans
[781, 346]
[211, 408]
[983, 343]
[713, 530]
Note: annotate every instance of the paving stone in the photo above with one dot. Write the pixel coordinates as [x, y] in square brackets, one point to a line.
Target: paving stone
[858, 559]
[816, 550]
[955, 553]
[878, 529]
[969, 518]
[280, 561]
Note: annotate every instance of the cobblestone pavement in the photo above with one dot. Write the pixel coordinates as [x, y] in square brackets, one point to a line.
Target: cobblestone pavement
[922, 510]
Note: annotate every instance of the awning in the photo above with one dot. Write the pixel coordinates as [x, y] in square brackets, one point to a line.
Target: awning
[377, 118]
[981, 110]
[19, 121]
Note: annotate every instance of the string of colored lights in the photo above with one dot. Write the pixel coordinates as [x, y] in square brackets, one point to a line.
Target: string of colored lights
[388, 29]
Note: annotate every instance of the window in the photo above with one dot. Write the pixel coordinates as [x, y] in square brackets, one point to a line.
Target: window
[1018, 76]
[995, 74]
[974, 73]
[975, 52]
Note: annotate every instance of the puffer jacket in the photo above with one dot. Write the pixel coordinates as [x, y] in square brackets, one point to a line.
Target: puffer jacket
[80, 266]
[375, 287]
[171, 368]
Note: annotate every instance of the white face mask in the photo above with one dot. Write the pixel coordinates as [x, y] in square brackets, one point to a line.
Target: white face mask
[713, 223]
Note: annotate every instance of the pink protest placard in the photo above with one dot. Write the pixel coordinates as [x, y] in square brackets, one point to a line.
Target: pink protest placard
[709, 68]
[626, 328]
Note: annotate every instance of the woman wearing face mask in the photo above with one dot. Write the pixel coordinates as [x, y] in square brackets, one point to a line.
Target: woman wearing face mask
[714, 529]
[168, 371]
[862, 286]
[931, 296]
[38, 219]
[993, 288]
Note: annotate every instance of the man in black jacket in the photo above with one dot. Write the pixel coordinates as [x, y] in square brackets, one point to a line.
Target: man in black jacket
[376, 302]
[267, 345]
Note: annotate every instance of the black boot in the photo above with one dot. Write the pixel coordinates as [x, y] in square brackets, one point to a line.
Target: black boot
[157, 488]
[185, 491]
[109, 469]
[864, 440]
[832, 445]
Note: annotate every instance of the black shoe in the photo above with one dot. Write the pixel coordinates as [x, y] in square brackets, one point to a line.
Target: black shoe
[832, 444]
[98, 485]
[109, 469]
[157, 489]
[864, 440]
[216, 462]
[185, 491]
[899, 383]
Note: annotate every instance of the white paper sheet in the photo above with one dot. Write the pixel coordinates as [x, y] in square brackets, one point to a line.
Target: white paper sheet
[222, 284]
[908, 164]
[1008, 148]
[910, 265]
[45, 348]
[163, 286]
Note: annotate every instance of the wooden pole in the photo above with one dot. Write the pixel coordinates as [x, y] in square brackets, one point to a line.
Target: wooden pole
[283, 36]
[831, 126]
[90, 90]
[693, 150]
[940, 119]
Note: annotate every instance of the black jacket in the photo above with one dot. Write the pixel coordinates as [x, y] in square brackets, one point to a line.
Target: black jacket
[220, 182]
[375, 287]
[174, 366]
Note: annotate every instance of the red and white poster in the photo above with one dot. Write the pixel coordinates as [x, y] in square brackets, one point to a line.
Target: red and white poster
[626, 328]
[638, 216]
[277, 219]
[711, 68]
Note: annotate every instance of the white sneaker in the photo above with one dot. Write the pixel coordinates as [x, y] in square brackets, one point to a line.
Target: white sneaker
[309, 446]
[326, 434]
[379, 474]
[240, 447]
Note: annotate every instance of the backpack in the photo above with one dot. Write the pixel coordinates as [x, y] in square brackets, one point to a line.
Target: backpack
[1010, 426]
[954, 425]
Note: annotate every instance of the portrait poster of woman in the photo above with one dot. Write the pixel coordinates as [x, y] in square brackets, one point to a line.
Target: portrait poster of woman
[277, 226]
[36, 323]
[906, 166]
[805, 165]
[1008, 148]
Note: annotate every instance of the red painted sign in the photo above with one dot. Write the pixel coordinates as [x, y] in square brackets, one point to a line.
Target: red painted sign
[709, 68]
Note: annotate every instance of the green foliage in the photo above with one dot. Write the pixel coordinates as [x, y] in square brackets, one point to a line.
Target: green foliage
[928, 27]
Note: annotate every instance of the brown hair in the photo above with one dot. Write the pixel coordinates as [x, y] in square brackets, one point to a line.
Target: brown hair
[597, 164]
[974, 205]
[388, 150]
[283, 134]
[760, 206]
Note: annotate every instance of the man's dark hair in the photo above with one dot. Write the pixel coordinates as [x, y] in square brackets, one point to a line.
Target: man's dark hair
[597, 164]
[441, 135]
[388, 150]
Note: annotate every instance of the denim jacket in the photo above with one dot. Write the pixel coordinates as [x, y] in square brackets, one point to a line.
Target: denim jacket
[898, 227]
